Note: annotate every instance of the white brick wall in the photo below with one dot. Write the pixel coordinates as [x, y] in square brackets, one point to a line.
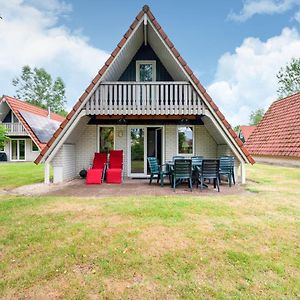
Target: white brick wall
[64, 163]
[69, 158]
[121, 144]
[86, 146]
[82, 153]
[204, 143]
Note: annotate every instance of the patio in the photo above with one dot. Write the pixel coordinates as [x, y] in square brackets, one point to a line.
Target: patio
[137, 187]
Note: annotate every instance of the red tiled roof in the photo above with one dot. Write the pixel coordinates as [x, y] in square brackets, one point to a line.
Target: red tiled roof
[278, 133]
[247, 130]
[17, 105]
[171, 46]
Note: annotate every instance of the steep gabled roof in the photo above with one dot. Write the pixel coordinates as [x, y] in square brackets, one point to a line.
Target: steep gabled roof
[247, 130]
[146, 11]
[23, 111]
[278, 133]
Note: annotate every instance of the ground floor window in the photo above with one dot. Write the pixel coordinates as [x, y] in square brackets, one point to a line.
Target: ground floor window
[185, 137]
[17, 149]
[34, 147]
[106, 139]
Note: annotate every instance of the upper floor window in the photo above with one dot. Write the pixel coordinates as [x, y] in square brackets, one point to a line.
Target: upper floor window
[34, 147]
[145, 70]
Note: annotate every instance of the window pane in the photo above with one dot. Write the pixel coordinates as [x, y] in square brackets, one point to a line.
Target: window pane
[22, 149]
[146, 72]
[34, 147]
[185, 140]
[106, 139]
[15, 119]
[14, 149]
[137, 150]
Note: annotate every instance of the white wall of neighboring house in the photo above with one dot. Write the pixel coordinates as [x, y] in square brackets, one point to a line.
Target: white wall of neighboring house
[29, 154]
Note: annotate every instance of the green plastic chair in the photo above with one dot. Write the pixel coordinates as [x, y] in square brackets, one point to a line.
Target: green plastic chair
[210, 170]
[157, 170]
[227, 168]
[182, 171]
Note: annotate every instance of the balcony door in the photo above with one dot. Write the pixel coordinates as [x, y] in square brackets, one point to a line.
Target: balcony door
[144, 142]
[18, 151]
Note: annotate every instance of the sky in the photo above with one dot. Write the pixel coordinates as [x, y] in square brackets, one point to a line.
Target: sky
[235, 47]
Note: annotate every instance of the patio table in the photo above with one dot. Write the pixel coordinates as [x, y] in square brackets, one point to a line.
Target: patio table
[170, 165]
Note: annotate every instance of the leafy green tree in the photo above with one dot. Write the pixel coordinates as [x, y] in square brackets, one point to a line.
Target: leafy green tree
[289, 79]
[3, 136]
[37, 87]
[256, 116]
[237, 128]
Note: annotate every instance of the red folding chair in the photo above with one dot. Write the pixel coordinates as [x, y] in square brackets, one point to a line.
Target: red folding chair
[114, 172]
[95, 175]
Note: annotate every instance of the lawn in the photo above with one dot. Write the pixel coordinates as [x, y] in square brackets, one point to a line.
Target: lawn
[18, 174]
[241, 246]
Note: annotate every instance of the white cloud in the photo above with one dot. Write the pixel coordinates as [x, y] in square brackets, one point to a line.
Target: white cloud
[30, 34]
[246, 79]
[269, 7]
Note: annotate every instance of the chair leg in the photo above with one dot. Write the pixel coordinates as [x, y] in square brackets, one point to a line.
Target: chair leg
[151, 177]
[229, 179]
[233, 178]
[215, 179]
[218, 184]
[201, 183]
[174, 184]
[158, 177]
[191, 185]
[161, 180]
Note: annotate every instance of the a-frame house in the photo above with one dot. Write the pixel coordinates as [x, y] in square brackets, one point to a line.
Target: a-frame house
[146, 101]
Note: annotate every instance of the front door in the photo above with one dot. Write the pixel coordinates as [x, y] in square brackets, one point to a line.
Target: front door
[144, 141]
[17, 150]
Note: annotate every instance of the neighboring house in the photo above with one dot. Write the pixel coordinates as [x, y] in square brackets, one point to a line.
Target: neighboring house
[146, 101]
[29, 128]
[277, 137]
[245, 132]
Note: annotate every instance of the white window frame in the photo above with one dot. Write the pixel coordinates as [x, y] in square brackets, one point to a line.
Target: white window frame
[144, 62]
[98, 136]
[33, 143]
[25, 154]
[177, 141]
[129, 127]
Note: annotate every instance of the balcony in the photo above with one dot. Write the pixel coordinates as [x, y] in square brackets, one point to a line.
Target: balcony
[15, 129]
[145, 98]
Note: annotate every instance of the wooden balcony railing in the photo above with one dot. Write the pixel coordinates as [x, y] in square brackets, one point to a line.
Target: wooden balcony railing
[14, 128]
[145, 98]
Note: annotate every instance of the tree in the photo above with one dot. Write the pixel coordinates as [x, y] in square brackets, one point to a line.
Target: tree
[289, 79]
[3, 136]
[256, 116]
[37, 87]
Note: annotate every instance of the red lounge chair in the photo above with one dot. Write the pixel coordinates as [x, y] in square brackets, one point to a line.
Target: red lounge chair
[114, 172]
[95, 174]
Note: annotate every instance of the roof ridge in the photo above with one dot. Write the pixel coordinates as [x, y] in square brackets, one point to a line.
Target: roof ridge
[34, 106]
[285, 98]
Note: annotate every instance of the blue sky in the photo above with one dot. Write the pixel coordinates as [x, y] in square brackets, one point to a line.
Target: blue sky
[235, 47]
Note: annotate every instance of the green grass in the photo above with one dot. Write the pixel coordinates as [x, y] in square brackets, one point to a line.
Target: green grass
[17, 174]
[242, 246]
